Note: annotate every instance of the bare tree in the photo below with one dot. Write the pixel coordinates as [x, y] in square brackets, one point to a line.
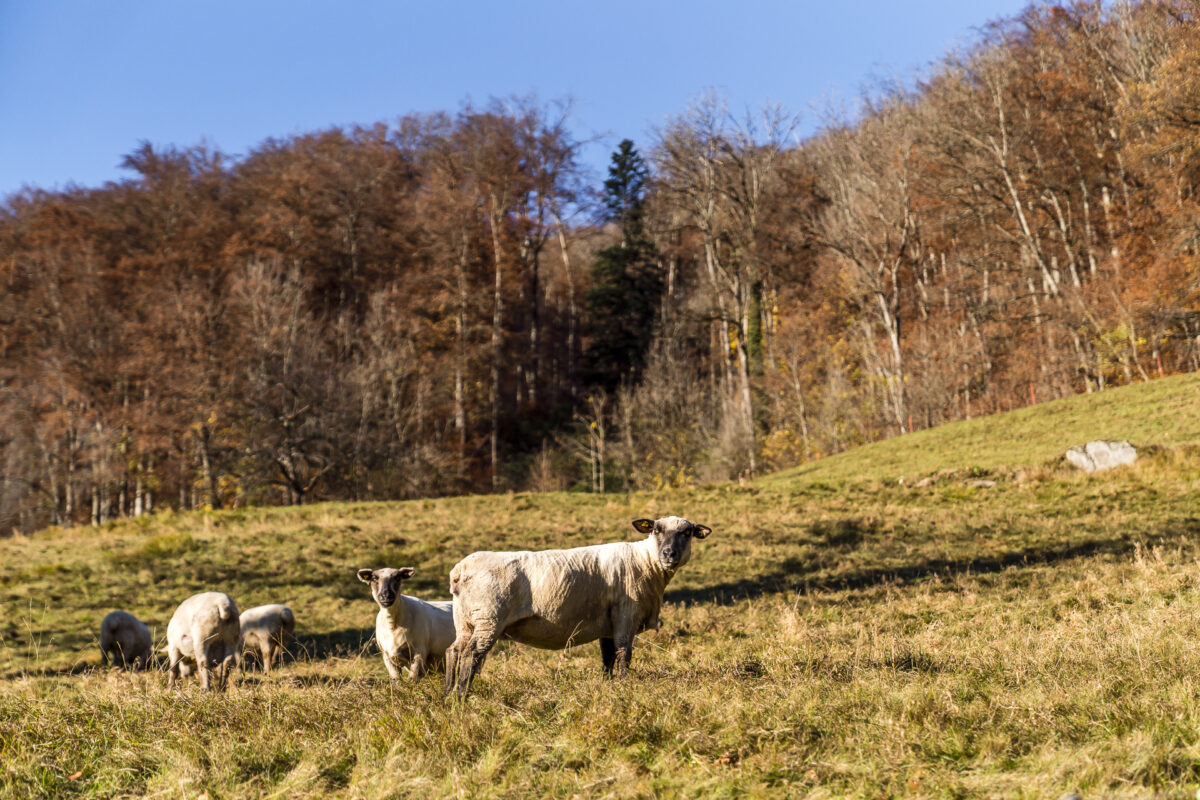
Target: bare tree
[717, 171]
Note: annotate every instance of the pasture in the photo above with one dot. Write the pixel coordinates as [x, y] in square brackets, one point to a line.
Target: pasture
[841, 633]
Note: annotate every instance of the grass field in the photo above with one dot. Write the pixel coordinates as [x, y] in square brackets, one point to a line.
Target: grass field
[841, 633]
[1163, 412]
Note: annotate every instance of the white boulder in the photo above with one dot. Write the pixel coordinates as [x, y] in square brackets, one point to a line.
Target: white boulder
[1101, 455]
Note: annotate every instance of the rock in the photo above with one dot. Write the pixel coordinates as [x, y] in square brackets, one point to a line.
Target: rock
[1101, 455]
[924, 483]
[982, 484]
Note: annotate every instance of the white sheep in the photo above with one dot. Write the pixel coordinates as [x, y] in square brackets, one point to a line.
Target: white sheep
[204, 632]
[557, 598]
[411, 633]
[127, 639]
[267, 631]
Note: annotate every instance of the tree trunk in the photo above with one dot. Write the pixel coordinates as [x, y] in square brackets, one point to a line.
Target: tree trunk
[572, 310]
[497, 354]
[203, 446]
[460, 360]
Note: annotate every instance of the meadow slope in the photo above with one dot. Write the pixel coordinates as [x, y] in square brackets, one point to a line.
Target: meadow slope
[841, 633]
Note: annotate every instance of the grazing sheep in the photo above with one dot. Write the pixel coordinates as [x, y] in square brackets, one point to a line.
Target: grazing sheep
[128, 640]
[266, 630]
[410, 632]
[204, 632]
[557, 598]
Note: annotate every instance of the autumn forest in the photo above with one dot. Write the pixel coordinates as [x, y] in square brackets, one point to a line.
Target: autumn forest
[448, 303]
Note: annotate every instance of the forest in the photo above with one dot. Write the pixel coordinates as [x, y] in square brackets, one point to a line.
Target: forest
[448, 303]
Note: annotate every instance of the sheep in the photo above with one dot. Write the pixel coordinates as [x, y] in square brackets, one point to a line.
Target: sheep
[410, 632]
[266, 630]
[553, 599]
[205, 632]
[128, 640]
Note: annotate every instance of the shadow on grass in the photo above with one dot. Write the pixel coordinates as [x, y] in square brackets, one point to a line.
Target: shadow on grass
[794, 575]
[78, 668]
[255, 679]
[346, 643]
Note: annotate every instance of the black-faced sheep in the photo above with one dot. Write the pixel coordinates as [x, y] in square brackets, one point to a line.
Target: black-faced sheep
[411, 633]
[557, 598]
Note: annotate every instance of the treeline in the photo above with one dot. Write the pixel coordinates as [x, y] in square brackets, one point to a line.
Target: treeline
[445, 305]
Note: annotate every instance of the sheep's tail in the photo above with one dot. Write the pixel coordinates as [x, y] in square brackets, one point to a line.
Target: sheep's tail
[224, 613]
[454, 578]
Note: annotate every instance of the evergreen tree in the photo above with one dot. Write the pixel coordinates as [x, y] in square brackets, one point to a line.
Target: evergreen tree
[625, 189]
[627, 281]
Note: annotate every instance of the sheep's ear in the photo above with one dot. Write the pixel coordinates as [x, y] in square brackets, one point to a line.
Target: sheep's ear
[643, 525]
[406, 572]
[700, 531]
[365, 575]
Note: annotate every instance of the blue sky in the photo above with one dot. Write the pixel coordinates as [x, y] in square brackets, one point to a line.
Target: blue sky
[83, 81]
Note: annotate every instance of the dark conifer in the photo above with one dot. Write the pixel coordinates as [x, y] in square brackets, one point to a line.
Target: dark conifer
[626, 278]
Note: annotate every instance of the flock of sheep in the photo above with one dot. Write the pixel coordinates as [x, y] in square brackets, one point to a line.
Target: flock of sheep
[550, 599]
[205, 633]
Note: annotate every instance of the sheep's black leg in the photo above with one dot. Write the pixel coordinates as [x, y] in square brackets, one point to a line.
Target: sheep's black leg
[623, 643]
[624, 655]
[608, 652]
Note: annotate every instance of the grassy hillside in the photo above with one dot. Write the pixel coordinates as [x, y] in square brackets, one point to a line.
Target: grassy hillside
[833, 637]
[1164, 412]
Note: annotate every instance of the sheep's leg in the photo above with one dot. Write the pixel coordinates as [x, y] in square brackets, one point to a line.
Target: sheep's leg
[472, 657]
[226, 668]
[452, 657]
[173, 672]
[266, 656]
[623, 645]
[624, 655]
[608, 653]
[103, 657]
[417, 668]
[390, 663]
[202, 668]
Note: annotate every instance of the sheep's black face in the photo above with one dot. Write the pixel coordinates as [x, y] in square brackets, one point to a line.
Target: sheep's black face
[385, 583]
[672, 539]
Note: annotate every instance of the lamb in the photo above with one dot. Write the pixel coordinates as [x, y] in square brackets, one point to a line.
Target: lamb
[128, 640]
[411, 633]
[557, 598]
[266, 630]
[204, 632]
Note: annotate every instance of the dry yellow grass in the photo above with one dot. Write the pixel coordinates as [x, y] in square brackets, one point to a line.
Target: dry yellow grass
[1022, 641]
